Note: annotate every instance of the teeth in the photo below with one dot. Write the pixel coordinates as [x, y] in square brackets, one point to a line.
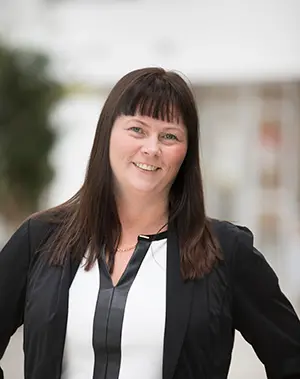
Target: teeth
[146, 167]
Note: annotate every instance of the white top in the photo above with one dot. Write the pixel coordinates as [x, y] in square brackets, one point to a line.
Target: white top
[141, 319]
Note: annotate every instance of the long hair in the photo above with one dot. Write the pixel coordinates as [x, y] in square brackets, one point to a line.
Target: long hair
[89, 220]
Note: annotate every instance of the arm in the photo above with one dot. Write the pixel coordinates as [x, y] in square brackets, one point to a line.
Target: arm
[14, 265]
[262, 313]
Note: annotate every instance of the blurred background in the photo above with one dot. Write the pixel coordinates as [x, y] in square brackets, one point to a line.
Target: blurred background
[58, 61]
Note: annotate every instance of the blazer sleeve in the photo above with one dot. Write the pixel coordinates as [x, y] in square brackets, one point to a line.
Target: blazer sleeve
[262, 313]
[14, 266]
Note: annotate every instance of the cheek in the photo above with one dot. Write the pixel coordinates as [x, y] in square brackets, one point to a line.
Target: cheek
[122, 147]
[176, 157]
[116, 152]
[115, 141]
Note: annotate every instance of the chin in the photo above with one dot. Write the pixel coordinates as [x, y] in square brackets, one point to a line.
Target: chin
[142, 188]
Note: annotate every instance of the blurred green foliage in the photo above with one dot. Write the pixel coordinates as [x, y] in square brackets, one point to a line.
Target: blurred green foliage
[27, 97]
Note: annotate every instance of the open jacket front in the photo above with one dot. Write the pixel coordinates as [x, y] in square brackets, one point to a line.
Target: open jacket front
[241, 292]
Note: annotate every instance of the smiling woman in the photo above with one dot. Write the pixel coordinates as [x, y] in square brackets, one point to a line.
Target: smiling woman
[130, 278]
[149, 149]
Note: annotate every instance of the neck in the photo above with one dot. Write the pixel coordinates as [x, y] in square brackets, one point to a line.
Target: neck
[142, 215]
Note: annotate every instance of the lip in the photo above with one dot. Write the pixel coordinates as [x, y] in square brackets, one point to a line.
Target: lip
[146, 164]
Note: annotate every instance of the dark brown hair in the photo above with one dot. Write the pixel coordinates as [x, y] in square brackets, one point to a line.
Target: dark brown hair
[90, 217]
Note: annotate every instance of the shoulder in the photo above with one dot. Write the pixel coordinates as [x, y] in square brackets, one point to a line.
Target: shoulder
[26, 239]
[39, 223]
[237, 246]
[41, 226]
[229, 232]
[34, 230]
[233, 239]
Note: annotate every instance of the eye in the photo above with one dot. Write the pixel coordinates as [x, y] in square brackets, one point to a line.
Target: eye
[136, 129]
[171, 137]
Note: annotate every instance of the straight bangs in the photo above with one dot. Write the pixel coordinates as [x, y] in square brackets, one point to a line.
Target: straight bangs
[154, 97]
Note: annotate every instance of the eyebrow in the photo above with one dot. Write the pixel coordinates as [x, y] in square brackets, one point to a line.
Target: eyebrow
[141, 122]
[175, 127]
[178, 127]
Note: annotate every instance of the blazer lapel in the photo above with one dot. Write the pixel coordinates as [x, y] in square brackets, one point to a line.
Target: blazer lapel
[178, 304]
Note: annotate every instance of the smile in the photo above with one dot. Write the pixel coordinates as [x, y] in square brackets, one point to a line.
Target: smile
[146, 167]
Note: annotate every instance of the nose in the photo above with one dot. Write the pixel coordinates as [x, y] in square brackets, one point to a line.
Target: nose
[151, 146]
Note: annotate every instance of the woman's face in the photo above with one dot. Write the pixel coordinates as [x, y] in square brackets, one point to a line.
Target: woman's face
[146, 154]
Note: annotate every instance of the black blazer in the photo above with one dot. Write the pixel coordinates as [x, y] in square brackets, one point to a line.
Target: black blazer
[242, 293]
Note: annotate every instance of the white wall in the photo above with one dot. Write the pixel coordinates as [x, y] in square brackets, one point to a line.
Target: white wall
[76, 119]
[209, 40]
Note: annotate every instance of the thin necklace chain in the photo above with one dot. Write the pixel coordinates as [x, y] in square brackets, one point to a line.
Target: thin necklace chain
[119, 250]
[126, 249]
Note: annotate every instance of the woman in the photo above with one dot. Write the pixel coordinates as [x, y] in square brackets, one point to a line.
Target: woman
[130, 278]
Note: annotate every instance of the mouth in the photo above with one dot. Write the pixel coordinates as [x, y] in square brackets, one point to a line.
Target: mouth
[146, 167]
